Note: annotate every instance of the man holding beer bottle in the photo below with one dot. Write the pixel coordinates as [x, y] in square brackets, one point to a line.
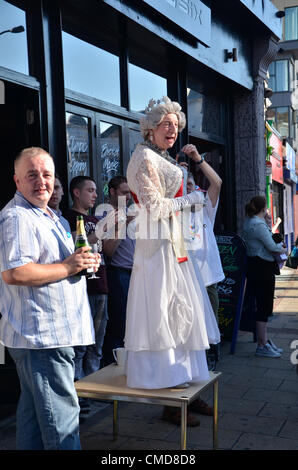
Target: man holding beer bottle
[44, 307]
[87, 360]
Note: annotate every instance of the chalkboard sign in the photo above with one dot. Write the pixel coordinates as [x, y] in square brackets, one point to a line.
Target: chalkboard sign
[231, 290]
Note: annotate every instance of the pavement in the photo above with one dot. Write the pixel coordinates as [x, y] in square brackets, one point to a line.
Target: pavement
[258, 400]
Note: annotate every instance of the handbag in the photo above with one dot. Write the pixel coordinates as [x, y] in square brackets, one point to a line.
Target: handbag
[292, 262]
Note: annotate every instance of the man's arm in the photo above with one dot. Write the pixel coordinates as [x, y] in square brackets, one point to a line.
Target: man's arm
[34, 274]
[211, 175]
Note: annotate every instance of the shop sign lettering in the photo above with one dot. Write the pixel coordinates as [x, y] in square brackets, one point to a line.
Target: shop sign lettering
[191, 15]
[188, 7]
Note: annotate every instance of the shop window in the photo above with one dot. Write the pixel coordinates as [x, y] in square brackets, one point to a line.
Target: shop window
[90, 70]
[205, 113]
[280, 72]
[110, 153]
[291, 23]
[13, 46]
[78, 145]
[143, 86]
[282, 120]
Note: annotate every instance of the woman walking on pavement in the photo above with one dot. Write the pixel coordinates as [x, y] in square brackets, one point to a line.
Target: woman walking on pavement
[261, 268]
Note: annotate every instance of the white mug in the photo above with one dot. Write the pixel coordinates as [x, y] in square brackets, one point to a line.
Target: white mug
[120, 355]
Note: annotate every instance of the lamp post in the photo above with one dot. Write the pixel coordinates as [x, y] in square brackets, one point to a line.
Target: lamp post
[16, 29]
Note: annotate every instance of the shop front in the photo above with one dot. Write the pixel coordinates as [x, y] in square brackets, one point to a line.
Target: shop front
[77, 79]
[290, 181]
[276, 193]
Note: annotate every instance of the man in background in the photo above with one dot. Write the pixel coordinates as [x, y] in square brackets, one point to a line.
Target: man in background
[83, 192]
[119, 253]
[54, 202]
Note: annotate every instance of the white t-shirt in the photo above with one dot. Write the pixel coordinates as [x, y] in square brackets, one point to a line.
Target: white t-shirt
[202, 244]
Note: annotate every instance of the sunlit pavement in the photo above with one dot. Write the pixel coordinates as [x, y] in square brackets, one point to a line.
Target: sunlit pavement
[258, 400]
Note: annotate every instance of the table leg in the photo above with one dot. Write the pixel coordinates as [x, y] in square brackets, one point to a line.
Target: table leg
[115, 420]
[183, 425]
[215, 414]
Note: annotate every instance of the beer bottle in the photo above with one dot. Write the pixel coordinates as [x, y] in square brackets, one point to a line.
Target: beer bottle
[80, 241]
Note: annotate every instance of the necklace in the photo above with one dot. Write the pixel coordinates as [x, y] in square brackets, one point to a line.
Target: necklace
[163, 153]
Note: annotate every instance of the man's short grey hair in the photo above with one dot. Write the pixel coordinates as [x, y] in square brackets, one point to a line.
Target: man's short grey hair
[32, 152]
[156, 111]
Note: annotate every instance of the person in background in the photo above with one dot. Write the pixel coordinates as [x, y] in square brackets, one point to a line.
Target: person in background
[83, 192]
[292, 261]
[204, 253]
[294, 253]
[44, 307]
[280, 258]
[261, 268]
[55, 200]
[119, 254]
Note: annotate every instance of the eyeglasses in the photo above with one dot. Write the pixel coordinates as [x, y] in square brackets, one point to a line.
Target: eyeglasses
[168, 124]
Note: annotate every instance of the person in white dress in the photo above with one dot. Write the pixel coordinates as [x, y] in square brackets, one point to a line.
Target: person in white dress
[170, 322]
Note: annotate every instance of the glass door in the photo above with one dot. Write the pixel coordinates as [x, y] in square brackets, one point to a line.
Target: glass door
[98, 145]
[110, 156]
[78, 135]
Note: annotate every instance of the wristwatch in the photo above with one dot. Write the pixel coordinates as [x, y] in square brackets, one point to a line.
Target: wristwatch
[201, 161]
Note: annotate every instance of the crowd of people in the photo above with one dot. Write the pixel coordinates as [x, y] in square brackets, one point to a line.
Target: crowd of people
[154, 295]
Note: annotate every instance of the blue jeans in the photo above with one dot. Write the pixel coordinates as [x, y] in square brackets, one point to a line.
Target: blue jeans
[88, 358]
[48, 410]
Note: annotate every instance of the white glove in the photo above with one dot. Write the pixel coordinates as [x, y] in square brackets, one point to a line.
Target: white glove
[193, 198]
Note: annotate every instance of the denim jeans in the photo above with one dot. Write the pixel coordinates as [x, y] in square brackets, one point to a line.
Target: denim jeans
[48, 410]
[88, 358]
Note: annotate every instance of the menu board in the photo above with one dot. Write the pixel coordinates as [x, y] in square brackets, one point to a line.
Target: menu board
[231, 290]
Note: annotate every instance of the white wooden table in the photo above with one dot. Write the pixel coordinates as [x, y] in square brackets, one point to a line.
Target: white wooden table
[109, 383]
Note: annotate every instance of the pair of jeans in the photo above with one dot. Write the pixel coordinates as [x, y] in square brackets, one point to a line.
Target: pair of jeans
[88, 358]
[118, 283]
[48, 409]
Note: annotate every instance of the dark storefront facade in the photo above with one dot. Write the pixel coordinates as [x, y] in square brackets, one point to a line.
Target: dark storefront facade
[77, 79]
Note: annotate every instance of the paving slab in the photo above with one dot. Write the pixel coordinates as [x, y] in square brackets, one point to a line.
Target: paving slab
[250, 424]
[250, 441]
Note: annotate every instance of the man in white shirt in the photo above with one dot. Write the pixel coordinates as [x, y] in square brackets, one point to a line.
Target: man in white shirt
[203, 249]
[44, 307]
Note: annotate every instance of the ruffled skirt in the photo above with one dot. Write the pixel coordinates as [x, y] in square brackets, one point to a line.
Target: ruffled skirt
[169, 322]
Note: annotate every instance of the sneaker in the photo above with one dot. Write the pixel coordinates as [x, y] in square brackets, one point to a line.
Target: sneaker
[266, 351]
[274, 347]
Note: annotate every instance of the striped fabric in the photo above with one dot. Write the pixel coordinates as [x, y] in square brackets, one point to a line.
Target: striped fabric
[55, 314]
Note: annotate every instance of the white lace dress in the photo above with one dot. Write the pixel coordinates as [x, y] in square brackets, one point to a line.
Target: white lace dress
[169, 319]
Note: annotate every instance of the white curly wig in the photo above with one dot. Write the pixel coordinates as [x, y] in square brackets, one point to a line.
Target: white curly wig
[156, 111]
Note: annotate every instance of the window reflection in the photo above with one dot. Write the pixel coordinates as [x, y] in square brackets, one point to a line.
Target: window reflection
[78, 147]
[90, 70]
[143, 86]
[14, 52]
[110, 154]
[279, 75]
[135, 137]
[205, 113]
[291, 23]
[282, 120]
